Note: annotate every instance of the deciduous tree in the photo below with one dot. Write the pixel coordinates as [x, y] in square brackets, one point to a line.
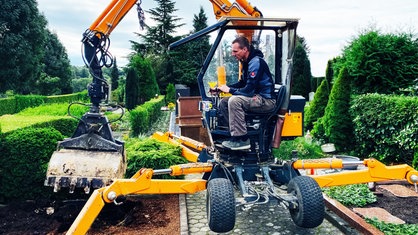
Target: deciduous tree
[21, 46]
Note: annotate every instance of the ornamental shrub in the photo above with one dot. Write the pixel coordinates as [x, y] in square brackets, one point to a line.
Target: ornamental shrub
[337, 121]
[170, 96]
[142, 116]
[65, 125]
[381, 63]
[386, 127]
[25, 101]
[317, 105]
[23, 162]
[150, 153]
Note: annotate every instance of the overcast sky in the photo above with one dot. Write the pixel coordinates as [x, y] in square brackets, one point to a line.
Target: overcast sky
[327, 25]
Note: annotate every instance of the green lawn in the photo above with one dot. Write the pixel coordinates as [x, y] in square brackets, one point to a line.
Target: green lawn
[13, 122]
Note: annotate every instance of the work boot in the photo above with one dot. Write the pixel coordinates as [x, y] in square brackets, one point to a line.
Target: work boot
[237, 144]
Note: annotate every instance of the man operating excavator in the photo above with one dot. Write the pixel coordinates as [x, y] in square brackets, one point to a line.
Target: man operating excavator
[254, 92]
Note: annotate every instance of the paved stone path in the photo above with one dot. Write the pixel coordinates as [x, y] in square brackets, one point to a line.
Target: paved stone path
[270, 218]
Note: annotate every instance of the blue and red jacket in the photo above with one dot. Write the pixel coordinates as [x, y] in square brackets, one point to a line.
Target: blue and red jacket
[256, 77]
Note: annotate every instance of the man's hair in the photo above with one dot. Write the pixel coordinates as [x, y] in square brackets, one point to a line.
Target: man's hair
[242, 42]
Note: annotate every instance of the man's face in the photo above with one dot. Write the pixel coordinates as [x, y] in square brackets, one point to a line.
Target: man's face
[238, 53]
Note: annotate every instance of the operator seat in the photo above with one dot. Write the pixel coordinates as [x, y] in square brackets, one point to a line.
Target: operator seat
[260, 125]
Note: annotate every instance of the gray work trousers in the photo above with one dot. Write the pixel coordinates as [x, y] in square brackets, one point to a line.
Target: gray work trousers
[233, 110]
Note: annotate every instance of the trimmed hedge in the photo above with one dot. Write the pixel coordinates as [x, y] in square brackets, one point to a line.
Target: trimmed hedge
[23, 163]
[386, 127]
[7, 106]
[20, 102]
[142, 116]
[79, 96]
[66, 125]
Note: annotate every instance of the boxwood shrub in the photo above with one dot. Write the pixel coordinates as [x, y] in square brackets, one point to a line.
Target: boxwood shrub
[66, 125]
[23, 163]
[150, 153]
[18, 103]
[386, 127]
[142, 116]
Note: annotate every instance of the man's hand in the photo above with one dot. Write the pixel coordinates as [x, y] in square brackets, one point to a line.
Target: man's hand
[224, 88]
[214, 91]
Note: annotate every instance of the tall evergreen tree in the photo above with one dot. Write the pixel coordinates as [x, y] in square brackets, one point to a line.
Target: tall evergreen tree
[114, 75]
[131, 94]
[189, 58]
[317, 106]
[21, 45]
[301, 72]
[147, 82]
[160, 36]
[337, 122]
[155, 42]
[57, 64]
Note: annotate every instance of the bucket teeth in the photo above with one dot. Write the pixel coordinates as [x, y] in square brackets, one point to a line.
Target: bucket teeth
[57, 185]
[84, 169]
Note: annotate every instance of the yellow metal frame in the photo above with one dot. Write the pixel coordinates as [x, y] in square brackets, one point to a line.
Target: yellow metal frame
[140, 183]
[375, 172]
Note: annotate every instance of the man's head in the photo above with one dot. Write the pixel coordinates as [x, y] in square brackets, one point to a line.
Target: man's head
[241, 48]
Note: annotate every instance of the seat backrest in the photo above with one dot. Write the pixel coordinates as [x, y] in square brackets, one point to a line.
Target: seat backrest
[280, 92]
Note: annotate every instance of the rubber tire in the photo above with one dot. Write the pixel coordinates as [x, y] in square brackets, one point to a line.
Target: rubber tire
[310, 212]
[220, 205]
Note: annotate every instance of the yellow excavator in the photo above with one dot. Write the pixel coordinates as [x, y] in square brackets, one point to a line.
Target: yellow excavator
[92, 158]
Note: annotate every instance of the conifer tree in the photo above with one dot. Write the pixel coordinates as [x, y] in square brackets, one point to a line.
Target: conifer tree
[114, 74]
[131, 94]
[337, 122]
[301, 72]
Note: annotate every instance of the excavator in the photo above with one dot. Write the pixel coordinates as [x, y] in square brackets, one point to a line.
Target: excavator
[93, 159]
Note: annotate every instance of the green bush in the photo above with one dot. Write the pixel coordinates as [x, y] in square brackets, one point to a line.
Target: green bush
[386, 127]
[317, 107]
[304, 149]
[79, 96]
[23, 163]
[381, 63]
[142, 116]
[139, 121]
[20, 102]
[66, 125]
[147, 81]
[170, 96]
[55, 109]
[337, 122]
[25, 101]
[7, 106]
[150, 153]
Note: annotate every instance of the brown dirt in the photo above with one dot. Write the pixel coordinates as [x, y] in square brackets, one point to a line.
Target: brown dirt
[404, 208]
[154, 215]
[151, 215]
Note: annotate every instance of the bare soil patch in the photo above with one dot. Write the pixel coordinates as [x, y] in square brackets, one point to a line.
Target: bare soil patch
[144, 214]
[155, 215]
[405, 208]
